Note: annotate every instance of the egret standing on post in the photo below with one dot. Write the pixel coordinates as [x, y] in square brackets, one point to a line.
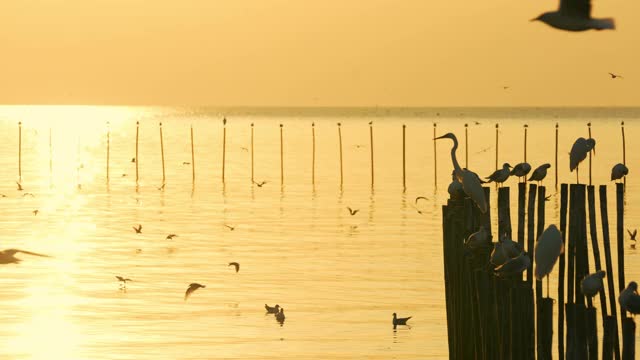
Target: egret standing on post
[579, 152]
[548, 248]
[470, 182]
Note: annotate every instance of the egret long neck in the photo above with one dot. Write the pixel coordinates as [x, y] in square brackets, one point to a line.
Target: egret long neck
[456, 166]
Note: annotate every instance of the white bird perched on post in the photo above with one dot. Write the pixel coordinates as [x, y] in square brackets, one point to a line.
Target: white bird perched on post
[592, 283]
[501, 175]
[521, 170]
[629, 299]
[539, 173]
[618, 172]
[469, 180]
[548, 248]
[575, 15]
[579, 152]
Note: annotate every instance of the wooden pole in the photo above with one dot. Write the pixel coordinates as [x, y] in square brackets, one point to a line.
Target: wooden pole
[525, 144]
[371, 145]
[624, 151]
[556, 166]
[162, 155]
[628, 339]
[281, 158]
[313, 153]
[620, 232]
[531, 208]
[50, 155]
[224, 145]
[193, 160]
[404, 157]
[435, 157]
[496, 146]
[610, 275]
[466, 146]
[589, 126]
[252, 180]
[561, 268]
[108, 148]
[20, 151]
[137, 158]
[340, 148]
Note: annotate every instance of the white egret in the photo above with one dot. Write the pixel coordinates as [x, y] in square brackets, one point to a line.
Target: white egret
[470, 182]
[501, 175]
[592, 283]
[399, 321]
[539, 173]
[521, 170]
[575, 15]
[548, 248]
[579, 152]
[618, 172]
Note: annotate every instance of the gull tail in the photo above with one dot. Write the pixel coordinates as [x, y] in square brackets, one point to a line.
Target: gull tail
[603, 24]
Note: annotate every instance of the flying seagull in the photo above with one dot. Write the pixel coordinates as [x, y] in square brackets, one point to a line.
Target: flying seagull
[123, 280]
[35, 212]
[230, 227]
[420, 197]
[192, 287]
[352, 212]
[260, 183]
[138, 229]
[575, 15]
[614, 76]
[171, 236]
[399, 321]
[8, 256]
[237, 265]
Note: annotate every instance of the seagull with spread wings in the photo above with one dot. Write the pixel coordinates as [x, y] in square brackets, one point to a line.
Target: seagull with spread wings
[8, 256]
[575, 15]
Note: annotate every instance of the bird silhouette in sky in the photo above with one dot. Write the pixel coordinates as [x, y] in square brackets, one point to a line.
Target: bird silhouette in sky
[614, 76]
[192, 287]
[352, 212]
[171, 236]
[138, 229]
[260, 184]
[230, 227]
[237, 265]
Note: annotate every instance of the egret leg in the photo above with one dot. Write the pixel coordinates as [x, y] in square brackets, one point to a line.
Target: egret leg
[548, 286]
[577, 175]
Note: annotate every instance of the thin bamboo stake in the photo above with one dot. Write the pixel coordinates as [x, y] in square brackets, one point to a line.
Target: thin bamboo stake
[137, 159]
[224, 145]
[50, 155]
[20, 151]
[497, 146]
[404, 157]
[624, 152]
[108, 148]
[281, 158]
[252, 153]
[313, 153]
[340, 148]
[589, 125]
[162, 155]
[371, 145]
[435, 157]
[193, 160]
[556, 166]
[466, 146]
[525, 145]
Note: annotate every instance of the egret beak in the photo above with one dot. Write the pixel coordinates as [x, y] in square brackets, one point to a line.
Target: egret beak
[439, 137]
[535, 19]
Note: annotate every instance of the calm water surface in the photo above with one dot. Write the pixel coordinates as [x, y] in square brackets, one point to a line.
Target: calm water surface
[339, 277]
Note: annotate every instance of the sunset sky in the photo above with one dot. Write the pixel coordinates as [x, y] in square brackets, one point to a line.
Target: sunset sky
[313, 53]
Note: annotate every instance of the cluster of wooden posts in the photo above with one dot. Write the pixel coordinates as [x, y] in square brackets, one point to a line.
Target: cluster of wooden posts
[489, 317]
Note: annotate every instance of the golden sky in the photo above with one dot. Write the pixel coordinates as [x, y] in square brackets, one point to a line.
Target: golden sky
[313, 53]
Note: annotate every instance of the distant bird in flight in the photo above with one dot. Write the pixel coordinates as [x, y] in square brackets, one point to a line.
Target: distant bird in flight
[272, 309]
[575, 15]
[192, 287]
[35, 212]
[632, 236]
[399, 321]
[28, 194]
[236, 265]
[260, 183]
[505, 87]
[19, 186]
[420, 197]
[352, 212]
[8, 256]
[171, 236]
[138, 229]
[123, 281]
[244, 148]
[614, 76]
[230, 227]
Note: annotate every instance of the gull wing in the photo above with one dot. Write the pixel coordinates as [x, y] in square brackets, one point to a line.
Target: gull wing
[578, 8]
[14, 251]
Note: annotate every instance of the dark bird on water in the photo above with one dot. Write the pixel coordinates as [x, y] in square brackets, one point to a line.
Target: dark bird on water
[186, 163]
[399, 321]
[161, 187]
[19, 186]
[575, 15]
[237, 265]
[138, 229]
[230, 227]
[35, 212]
[171, 236]
[351, 211]
[272, 309]
[280, 316]
[133, 159]
[8, 256]
[192, 287]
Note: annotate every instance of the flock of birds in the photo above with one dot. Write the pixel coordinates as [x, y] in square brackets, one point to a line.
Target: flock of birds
[508, 258]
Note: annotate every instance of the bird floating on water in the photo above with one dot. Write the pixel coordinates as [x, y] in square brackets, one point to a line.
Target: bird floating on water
[575, 15]
[28, 194]
[272, 309]
[618, 172]
[237, 265]
[521, 170]
[171, 236]
[471, 184]
[501, 175]
[138, 229]
[399, 321]
[8, 256]
[592, 283]
[192, 287]
[19, 186]
[352, 211]
[539, 173]
[579, 152]
[280, 316]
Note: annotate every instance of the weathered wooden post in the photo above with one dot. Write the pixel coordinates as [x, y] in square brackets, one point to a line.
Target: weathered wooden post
[137, 158]
[162, 155]
[561, 268]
